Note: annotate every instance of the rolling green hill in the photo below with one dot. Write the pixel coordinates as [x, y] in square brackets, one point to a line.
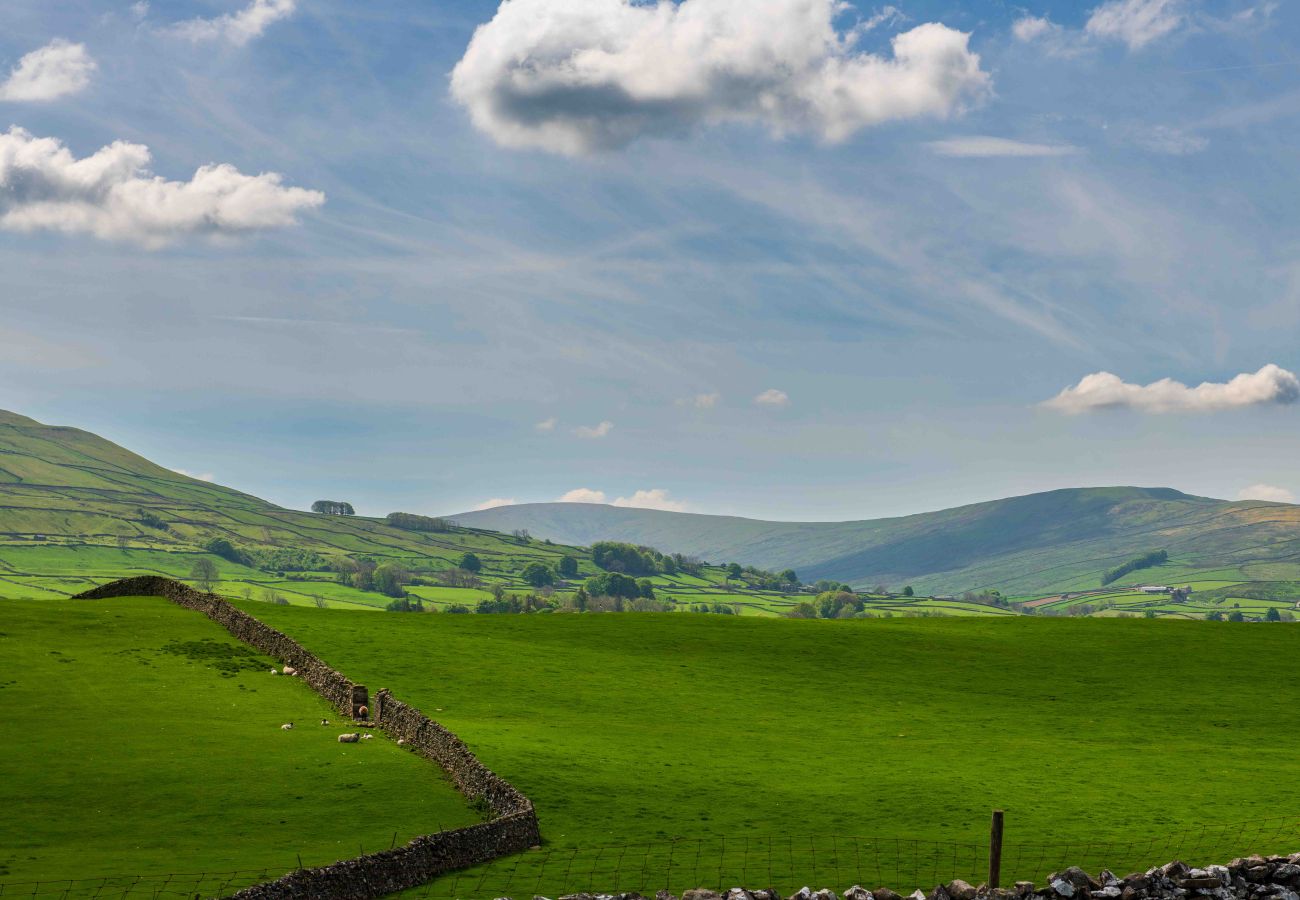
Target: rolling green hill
[77, 510]
[1049, 542]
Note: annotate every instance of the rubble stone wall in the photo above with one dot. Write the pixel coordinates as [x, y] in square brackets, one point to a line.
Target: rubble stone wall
[514, 824]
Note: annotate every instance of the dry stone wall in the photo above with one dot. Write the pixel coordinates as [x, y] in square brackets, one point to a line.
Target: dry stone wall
[1245, 878]
[514, 824]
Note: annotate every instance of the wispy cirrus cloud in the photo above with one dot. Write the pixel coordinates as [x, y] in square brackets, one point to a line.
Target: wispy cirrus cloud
[978, 146]
[236, 28]
[577, 78]
[1135, 22]
[56, 70]
[1270, 386]
[111, 194]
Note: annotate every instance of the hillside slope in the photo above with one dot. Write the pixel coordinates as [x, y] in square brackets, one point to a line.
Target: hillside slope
[1058, 540]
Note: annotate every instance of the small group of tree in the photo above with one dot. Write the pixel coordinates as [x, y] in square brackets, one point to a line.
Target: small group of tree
[616, 584]
[149, 520]
[1272, 615]
[829, 605]
[627, 559]
[538, 574]
[1145, 561]
[333, 508]
[412, 522]
[406, 604]
[823, 587]
[987, 598]
[366, 574]
[761, 579]
[458, 577]
[716, 608]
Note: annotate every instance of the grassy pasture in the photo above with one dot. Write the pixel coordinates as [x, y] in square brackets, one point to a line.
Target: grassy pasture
[141, 738]
[649, 728]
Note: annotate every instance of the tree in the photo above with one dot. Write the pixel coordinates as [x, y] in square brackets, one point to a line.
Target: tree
[406, 604]
[538, 574]
[221, 547]
[333, 508]
[568, 567]
[1214, 616]
[734, 570]
[470, 563]
[647, 588]
[390, 578]
[412, 522]
[613, 584]
[1236, 616]
[1272, 615]
[204, 572]
[908, 592]
[789, 577]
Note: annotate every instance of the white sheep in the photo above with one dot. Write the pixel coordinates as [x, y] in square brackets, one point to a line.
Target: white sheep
[349, 738]
[274, 672]
[287, 726]
[366, 737]
[401, 742]
[290, 671]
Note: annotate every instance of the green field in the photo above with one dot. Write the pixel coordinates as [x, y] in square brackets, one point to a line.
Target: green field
[640, 730]
[140, 738]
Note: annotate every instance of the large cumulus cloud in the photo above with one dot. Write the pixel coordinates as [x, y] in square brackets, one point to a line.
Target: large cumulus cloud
[576, 76]
[1271, 385]
[112, 194]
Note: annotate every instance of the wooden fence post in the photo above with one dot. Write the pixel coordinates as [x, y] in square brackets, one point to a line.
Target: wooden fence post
[995, 849]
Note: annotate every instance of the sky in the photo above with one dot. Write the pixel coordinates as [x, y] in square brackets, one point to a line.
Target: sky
[789, 259]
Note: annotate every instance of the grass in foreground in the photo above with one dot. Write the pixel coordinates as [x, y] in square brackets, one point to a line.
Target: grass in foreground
[637, 728]
[141, 738]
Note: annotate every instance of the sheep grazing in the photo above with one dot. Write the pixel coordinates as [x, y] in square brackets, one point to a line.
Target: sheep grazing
[401, 742]
[362, 712]
[287, 726]
[366, 737]
[324, 721]
[290, 671]
[349, 738]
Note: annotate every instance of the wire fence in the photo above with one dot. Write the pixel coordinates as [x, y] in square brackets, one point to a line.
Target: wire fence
[190, 885]
[784, 863]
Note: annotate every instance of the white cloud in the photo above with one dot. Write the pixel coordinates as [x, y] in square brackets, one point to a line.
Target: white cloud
[140, 9]
[1271, 385]
[582, 495]
[594, 431]
[55, 70]
[773, 397]
[654, 498]
[701, 401]
[1032, 28]
[237, 28]
[546, 425]
[577, 76]
[204, 476]
[985, 146]
[497, 501]
[1266, 492]
[112, 194]
[1135, 22]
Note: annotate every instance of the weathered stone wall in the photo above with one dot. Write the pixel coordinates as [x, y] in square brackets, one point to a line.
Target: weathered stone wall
[1248, 878]
[513, 828]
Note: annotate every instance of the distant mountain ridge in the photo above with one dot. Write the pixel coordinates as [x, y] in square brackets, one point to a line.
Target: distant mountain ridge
[1057, 540]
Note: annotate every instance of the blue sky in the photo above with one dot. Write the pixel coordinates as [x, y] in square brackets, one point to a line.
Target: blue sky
[912, 271]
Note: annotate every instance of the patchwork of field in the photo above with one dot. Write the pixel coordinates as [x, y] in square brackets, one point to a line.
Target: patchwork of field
[141, 738]
[641, 730]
